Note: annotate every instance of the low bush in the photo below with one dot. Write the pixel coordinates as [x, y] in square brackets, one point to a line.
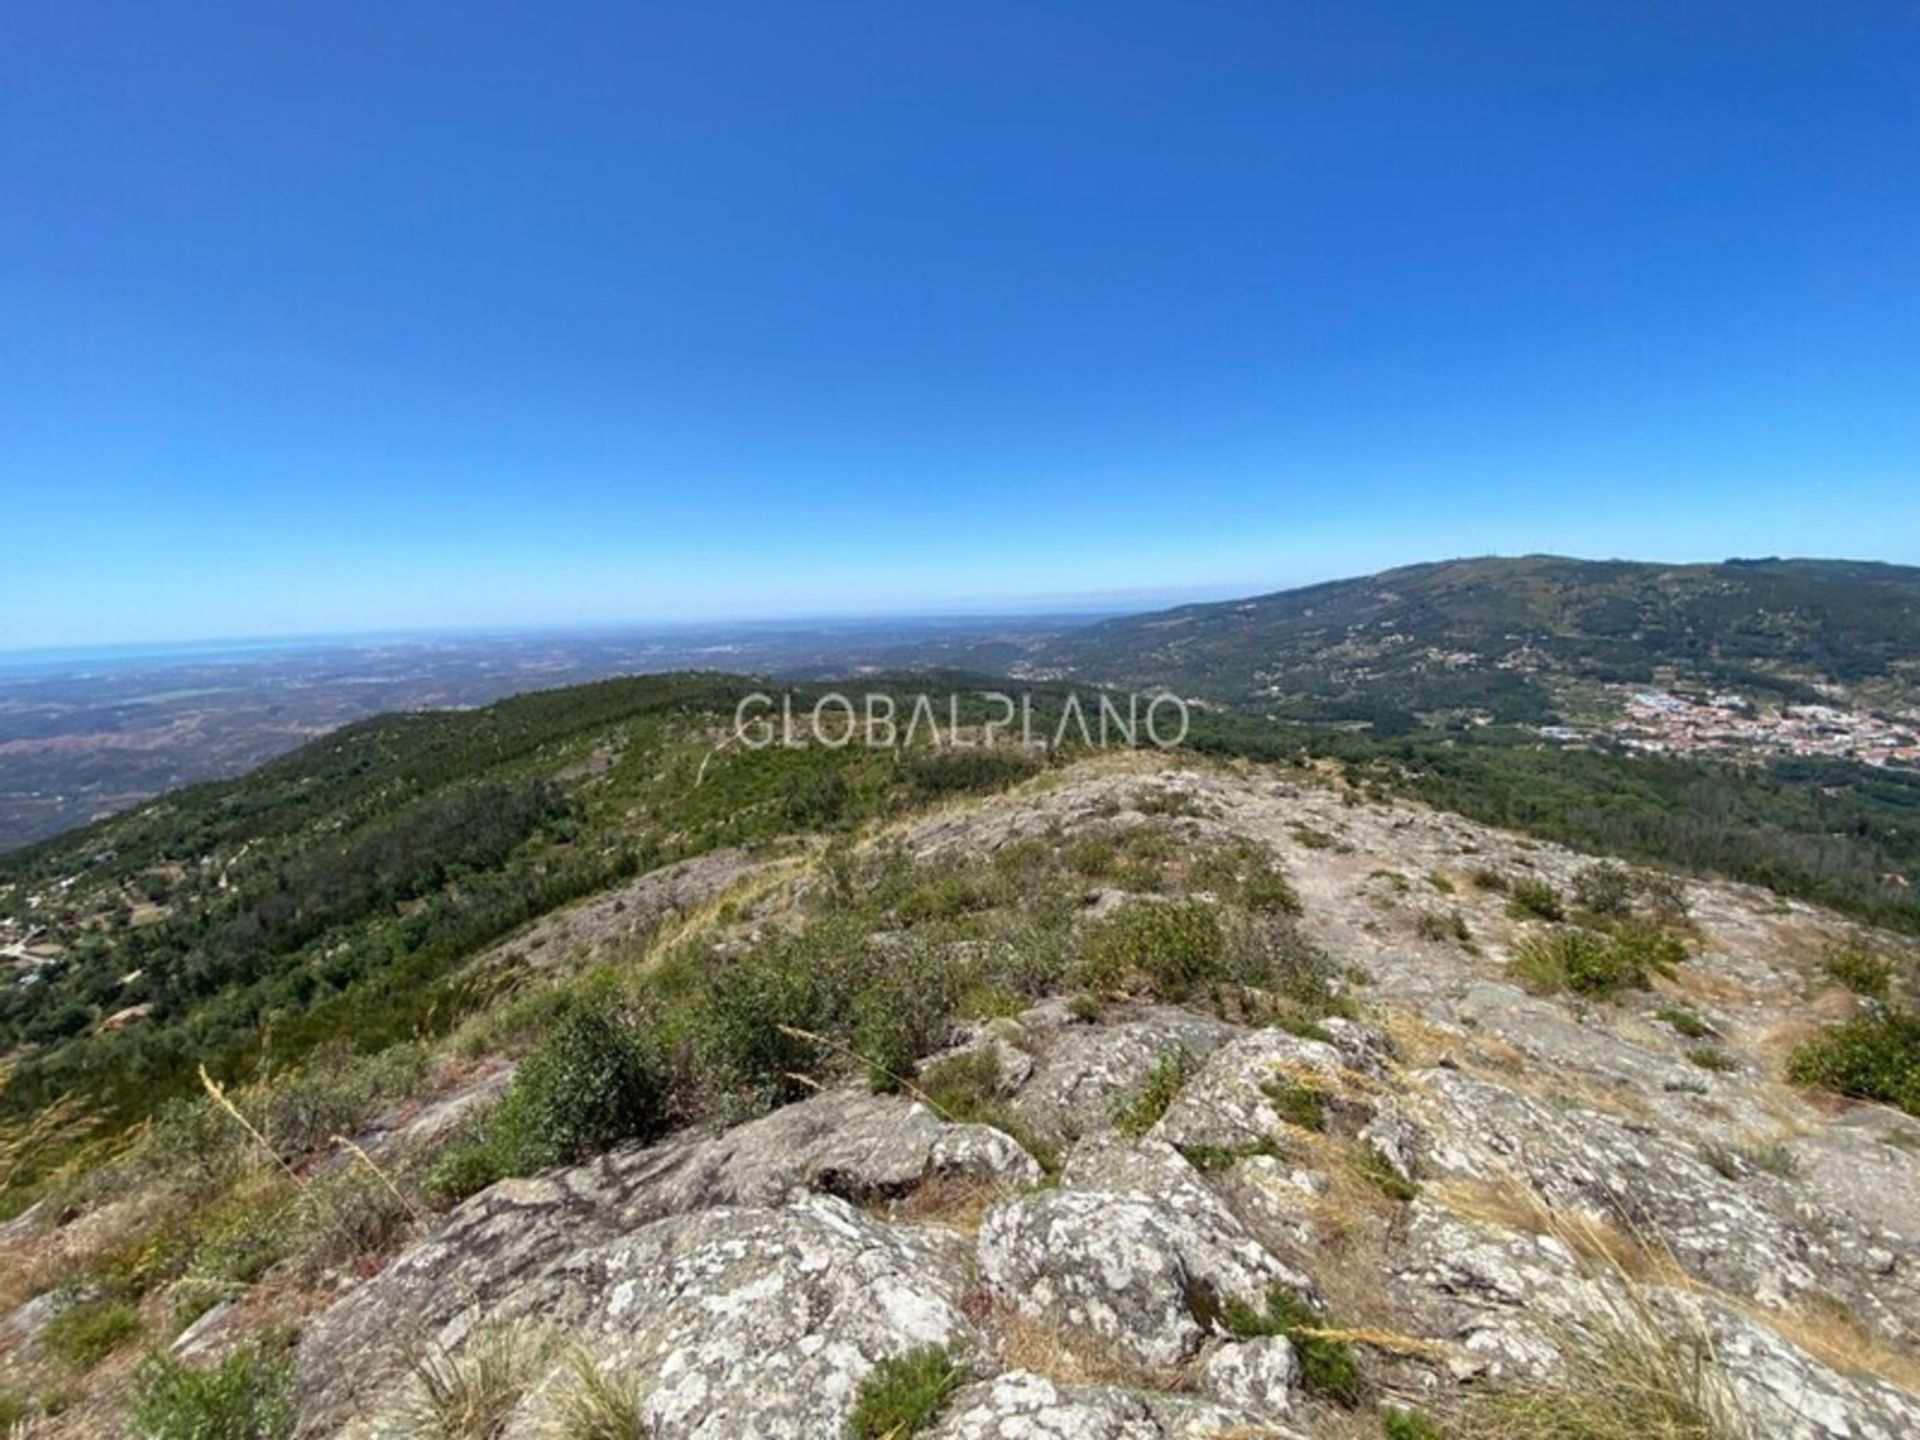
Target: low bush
[1174, 946]
[592, 1082]
[1862, 972]
[247, 1396]
[84, 1334]
[1297, 1103]
[1708, 1058]
[1605, 888]
[1592, 964]
[968, 1089]
[1246, 873]
[903, 1396]
[1686, 1023]
[1408, 1425]
[1535, 900]
[1875, 1056]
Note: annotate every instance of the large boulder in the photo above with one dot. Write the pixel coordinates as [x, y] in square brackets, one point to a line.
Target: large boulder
[1023, 1406]
[758, 1322]
[1132, 1251]
[503, 1240]
[1082, 1071]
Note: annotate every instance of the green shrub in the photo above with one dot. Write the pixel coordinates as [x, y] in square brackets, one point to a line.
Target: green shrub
[1373, 1166]
[1875, 1056]
[247, 1396]
[749, 1006]
[1140, 1111]
[903, 1010]
[1604, 888]
[1329, 1369]
[902, 1396]
[14, 1408]
[1648, 949]
[1177, 946]
[591, 1083]
[1686, 1023]
[1535, 899]
[466, 1165]
[1708, 1058]
[84, 1334]
[1592, 964]
[1245, 872]
[1408, 1425]
[333, 1093]
[1861, 972]
[1297, 1103]
[1485, 877]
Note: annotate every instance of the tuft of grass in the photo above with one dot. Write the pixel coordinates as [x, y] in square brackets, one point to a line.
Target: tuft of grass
[1875, 1056]
[1370, 1162]
[247, 1396]
[1136, 1113]
[469, 1394]
[1862, 972]
[599, 1406]
[1636, 1382]
[1297, 1102]
[1708, 1058]
[903, 1396]
[1329, 1367]
[1439, 925]
[1686, 1023]
[1592, 964]
[1485, 877]
[1535, 899]
[14, 1409]
[1212, 1159]
[83, 1335]
[1408, 1425]
[1775, 1160]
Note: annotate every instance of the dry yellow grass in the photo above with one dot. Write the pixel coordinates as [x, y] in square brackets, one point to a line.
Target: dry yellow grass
[1074, 1357]
[1511, 1203]
[1834, 1336]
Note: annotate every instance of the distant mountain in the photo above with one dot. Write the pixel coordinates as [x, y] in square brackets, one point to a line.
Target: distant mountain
[1508, 637]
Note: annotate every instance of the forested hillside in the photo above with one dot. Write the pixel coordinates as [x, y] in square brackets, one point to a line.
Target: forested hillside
[1506, 635]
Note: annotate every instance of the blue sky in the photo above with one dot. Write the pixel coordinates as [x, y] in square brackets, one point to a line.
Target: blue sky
[323, 318]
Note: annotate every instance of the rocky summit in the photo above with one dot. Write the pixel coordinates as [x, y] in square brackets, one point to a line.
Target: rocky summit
[1530, 1155]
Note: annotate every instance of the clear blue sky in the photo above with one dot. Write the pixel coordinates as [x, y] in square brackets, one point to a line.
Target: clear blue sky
[320, 317]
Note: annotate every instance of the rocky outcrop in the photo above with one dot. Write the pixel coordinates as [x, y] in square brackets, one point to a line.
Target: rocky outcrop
[1482, 1186]
[509, 1239]
[749, 1321]
[1023, 1406]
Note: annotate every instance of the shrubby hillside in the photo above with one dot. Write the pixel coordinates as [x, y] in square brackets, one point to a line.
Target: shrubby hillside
[963, 1096]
